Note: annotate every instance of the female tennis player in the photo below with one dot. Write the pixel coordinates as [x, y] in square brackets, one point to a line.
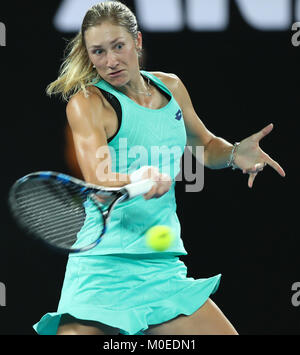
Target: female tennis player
[123, 286]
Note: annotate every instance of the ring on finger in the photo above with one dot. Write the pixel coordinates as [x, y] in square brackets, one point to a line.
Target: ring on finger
[261, 168]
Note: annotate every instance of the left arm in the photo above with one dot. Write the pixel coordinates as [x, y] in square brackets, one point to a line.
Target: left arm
[217, 151]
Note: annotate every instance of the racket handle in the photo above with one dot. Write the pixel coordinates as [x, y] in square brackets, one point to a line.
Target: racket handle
[139, 188]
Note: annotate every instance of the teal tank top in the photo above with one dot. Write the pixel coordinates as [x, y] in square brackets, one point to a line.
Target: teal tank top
[145, 137]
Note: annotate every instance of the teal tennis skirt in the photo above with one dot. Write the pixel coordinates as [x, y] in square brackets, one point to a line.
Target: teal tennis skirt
[128, 291]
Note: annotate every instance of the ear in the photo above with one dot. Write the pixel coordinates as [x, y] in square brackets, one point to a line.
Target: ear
[139, 42]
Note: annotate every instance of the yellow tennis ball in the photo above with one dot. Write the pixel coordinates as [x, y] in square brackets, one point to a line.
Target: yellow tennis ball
[159, 238]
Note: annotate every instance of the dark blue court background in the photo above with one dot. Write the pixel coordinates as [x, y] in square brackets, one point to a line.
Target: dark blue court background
[240, 80]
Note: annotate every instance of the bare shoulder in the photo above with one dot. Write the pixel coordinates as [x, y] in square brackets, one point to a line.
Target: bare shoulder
[81, 107]
[172, 81]
[176, 86]
[81, 101]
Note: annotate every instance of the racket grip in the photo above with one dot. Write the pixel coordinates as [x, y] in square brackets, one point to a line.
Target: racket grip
[139, 188]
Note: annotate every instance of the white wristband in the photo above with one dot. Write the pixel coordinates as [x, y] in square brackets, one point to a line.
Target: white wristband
[137, 175]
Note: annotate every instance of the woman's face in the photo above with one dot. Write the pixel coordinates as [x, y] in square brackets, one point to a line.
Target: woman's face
[114, 52]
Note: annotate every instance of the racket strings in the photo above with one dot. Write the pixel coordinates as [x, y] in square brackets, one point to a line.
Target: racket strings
[53, 210]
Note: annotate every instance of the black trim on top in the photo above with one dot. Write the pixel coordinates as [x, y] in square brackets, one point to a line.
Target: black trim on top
[115, 103]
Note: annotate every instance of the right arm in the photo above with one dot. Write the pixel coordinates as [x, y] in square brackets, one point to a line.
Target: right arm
[86, 117]
[89, 136]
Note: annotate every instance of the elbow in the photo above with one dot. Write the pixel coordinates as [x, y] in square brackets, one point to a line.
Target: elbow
[207, 153]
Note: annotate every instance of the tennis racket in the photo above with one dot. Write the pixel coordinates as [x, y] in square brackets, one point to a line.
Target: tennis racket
[51, 207]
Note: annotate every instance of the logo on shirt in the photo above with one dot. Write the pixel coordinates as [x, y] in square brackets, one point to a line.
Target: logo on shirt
[178, 115]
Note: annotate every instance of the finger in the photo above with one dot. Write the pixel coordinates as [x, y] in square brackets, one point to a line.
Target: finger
[257, 168]
[164, 178]
[268, 160]
[151, 173]
[161, 191]
[251, 180]
[261, 134]
[260, 166]
[150, 193]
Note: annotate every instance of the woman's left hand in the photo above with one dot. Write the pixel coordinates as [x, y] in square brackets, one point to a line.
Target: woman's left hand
[251, 159]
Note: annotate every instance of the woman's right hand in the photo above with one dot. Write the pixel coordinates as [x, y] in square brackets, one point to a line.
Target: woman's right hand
[162, 184]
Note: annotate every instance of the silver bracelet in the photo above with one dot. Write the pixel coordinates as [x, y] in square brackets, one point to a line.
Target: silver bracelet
[230, 162]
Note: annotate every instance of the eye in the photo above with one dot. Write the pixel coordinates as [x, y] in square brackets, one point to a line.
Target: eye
[119, 46]
[98, 51]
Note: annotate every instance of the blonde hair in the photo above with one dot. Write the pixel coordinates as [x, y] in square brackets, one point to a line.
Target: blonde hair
[76, 72]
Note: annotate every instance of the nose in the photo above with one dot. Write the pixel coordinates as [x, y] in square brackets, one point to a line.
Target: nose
[111, 60]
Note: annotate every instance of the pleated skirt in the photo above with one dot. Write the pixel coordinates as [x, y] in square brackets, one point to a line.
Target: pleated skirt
[128, 291]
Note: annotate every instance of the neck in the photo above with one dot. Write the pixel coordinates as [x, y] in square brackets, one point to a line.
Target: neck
[138, 87]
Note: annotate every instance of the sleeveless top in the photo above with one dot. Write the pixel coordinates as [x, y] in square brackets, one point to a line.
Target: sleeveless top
[144, 137]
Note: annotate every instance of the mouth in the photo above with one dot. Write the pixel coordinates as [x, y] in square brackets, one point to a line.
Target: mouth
[116, 73]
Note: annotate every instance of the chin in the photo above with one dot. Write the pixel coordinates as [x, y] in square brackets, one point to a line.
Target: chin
[118, 83]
